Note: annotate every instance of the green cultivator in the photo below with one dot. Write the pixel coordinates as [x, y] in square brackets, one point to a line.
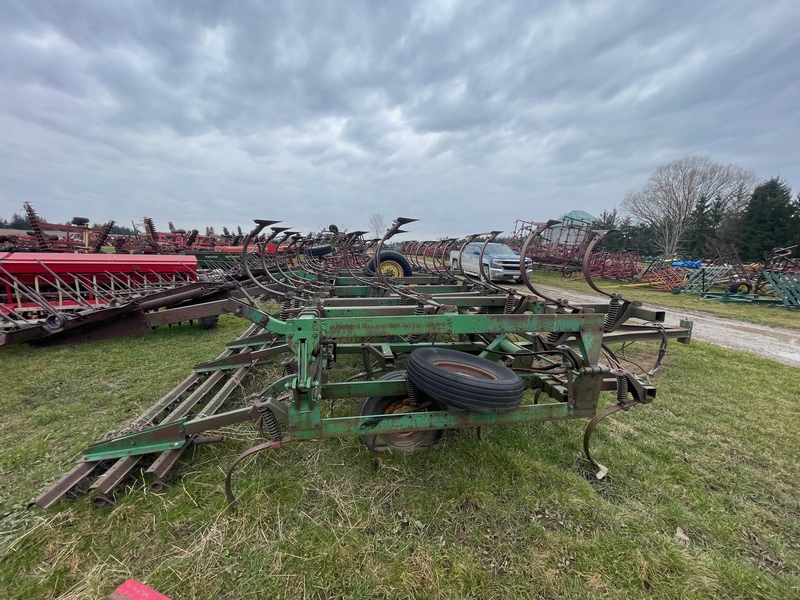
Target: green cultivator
[436, 351]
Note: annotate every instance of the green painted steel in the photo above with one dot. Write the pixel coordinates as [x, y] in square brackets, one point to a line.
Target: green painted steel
[311, 337]
[399, 423]
[787, 286]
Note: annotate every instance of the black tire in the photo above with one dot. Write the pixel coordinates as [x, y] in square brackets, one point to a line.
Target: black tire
[392, 256]
[465, 381]
[80, 221]
[320, 250]
[208, 322]
[400, 442]
[740, 286]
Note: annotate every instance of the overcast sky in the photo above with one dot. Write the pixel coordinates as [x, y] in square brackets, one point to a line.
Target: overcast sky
[465, 115]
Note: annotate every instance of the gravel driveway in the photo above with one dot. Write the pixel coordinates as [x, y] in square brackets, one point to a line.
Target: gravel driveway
[780, 345]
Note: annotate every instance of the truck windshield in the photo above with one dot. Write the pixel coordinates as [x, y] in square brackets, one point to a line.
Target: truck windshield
[500, 249]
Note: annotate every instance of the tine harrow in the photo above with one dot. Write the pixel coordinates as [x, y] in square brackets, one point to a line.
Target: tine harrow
[703, 279]
[184, 399]
[786, 286]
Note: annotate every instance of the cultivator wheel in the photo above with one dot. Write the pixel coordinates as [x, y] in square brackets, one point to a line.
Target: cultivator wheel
[465, 381]
[392, 264]
[740, 287]
[405, 442]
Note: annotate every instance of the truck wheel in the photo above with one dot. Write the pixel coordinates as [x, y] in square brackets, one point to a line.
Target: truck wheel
[465, 381]
[393, 264]
[392, 405]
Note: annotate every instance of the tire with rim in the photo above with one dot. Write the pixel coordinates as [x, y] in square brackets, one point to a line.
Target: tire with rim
[739, 287]
[393, 264]
[389, 405]
[465, 381]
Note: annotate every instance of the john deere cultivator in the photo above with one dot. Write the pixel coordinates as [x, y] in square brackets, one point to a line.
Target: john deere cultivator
[435, 350]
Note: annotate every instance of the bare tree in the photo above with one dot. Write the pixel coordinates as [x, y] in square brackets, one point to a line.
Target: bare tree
[377, 225]
[668, 199]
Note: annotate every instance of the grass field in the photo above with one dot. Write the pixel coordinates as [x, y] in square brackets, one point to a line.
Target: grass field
[701, 500]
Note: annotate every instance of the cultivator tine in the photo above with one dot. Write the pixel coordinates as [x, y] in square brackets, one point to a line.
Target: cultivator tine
[602, 471]
[271, 445]
[587, 260]
[530, 242]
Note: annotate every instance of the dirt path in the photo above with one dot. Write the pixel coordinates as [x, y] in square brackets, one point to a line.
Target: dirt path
[780, 345]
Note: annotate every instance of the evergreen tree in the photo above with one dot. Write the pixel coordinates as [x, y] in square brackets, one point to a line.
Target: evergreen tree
[607, 220]
[795, 238]
[19, 222]
[615, 241]
[769, 220]
[637, 238]
[702, 230]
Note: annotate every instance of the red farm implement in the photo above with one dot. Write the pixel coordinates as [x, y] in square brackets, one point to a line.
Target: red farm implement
[55, 237]
[620, 266]
[558, 246]
[60, 296]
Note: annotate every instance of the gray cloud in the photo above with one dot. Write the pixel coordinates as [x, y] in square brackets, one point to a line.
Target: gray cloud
[467, 115]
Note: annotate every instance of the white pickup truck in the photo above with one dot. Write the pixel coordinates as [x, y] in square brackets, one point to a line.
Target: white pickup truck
[502, 263]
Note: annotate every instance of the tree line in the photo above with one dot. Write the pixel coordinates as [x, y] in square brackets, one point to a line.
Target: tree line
[694, 206]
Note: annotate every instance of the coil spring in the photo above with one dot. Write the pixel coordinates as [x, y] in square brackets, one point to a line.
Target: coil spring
[622, 389]
[297, 302]
[611, 315]
[287, 304]
[511, 304]
[419, 310]
[270, 422]
[290, 366]
[366, 363]
[553, 336]
[373, 291]
[413, 398]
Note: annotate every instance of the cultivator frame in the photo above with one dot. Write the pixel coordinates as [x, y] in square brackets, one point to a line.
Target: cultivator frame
[332, 306]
